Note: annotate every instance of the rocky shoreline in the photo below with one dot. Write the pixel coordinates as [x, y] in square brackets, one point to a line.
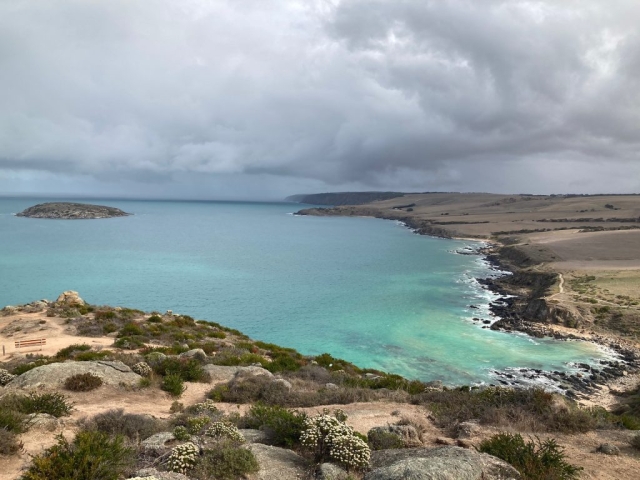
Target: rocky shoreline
[71, 211]
[521, 295]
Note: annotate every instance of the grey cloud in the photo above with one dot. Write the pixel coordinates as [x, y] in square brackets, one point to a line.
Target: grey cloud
[402, 94]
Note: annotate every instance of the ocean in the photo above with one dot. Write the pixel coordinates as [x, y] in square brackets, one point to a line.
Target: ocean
[366, 290]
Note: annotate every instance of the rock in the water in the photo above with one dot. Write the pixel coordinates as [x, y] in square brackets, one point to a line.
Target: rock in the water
[70, 298]
[197, 353]
[608, 449]
[71, 211]
[278, 463]
[441, 463]
[331, 471]
[53, 375]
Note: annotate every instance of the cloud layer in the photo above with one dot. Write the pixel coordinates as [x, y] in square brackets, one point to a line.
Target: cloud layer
[193, 96]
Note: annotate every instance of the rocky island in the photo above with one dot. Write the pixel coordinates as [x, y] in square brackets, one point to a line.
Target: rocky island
[71, 211]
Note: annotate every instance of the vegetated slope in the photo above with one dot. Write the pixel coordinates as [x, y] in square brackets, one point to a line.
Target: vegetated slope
[343, 198]
[69, 210]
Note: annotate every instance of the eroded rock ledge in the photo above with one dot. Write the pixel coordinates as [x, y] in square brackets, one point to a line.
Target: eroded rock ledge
[71, 211]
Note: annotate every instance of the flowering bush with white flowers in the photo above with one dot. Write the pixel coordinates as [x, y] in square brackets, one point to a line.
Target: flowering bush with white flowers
[142, 368]
[196, 424]
[208, 406]
[224, 430]
[333, 439]
[183, 458]
[5, 376]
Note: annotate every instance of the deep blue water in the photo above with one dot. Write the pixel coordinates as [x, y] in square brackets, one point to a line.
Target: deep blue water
[366, 290]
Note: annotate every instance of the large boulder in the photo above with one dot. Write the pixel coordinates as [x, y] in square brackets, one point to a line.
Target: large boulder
[197, 353]
[442, 463]
[224, 374]
[53, 375]
[70, 298]
[278, 463]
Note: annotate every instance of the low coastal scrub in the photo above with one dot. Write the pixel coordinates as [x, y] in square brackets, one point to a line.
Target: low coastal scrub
[54, 404]
[9, 443]
[173, 385]
[226, 462]
[82, 382]
[531, 410]
[535, 460]
[117, 423]
[91, 454]
[282, 426]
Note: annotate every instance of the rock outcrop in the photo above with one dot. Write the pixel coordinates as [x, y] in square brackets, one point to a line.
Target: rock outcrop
[71, 211]
[70, 298]
[53, 375]
[442, 463]
[278, 463]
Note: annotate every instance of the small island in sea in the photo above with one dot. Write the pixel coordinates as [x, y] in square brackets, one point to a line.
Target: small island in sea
[71, 211]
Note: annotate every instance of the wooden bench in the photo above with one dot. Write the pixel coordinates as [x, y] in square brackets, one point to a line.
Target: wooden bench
[38, 342]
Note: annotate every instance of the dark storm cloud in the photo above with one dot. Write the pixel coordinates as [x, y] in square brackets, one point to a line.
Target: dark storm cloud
[471, 95]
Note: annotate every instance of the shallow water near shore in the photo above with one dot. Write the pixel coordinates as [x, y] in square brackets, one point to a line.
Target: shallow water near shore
[362, 289]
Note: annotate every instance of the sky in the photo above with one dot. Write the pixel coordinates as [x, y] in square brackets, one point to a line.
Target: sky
[260, 99]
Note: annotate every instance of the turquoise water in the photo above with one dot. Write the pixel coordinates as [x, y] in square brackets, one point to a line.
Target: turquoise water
[362, 289]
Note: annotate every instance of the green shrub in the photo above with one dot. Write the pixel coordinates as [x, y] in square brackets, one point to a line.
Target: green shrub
[196, 424]
[379, 439]
[283, 426]
[155, 319]
[68, 352]
[54, 404]
[25, 367]
[181, 433]
[227, 462]
[130, 329]
[133, 426]
[108, 328]
[188, 369]
[91, 455]
[9, 443]
[173, 384]
[130, 343]
[541, 461]
[82, 382]
[11, 420]
[104, 315]
[91, 356]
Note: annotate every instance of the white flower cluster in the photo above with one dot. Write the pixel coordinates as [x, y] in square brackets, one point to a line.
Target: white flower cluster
[195, 424]
[330, 437]
[183, 458]
[350, 451]
[142, 368]
[5, 376]
[221, 429]
[208, 406]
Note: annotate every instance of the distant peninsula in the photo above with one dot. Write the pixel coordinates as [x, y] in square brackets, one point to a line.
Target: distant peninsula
[71, 211]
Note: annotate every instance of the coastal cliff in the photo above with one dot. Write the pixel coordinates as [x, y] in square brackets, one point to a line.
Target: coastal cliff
[71, 211]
